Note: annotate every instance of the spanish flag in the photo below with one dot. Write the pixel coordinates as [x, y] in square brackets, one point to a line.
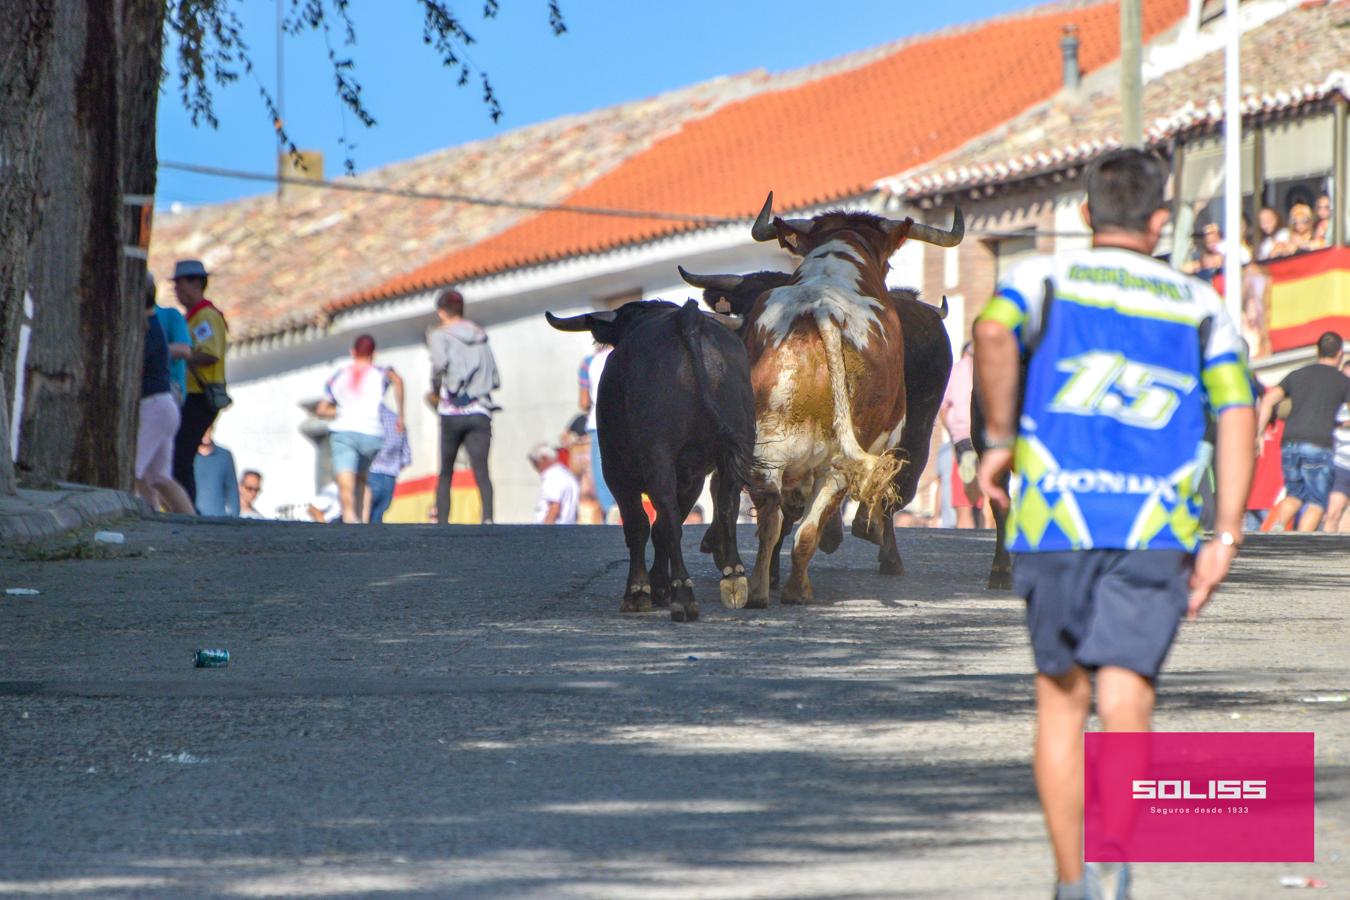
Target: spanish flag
[415, 500]
[1310, 295]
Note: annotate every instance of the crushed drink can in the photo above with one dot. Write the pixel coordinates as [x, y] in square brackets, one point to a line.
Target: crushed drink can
[211, 659]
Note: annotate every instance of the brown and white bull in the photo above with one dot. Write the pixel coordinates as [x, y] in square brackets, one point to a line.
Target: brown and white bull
[928, 366]
[827, 370]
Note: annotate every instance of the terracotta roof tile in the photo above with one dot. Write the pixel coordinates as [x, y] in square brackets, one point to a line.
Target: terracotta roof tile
[819, 141]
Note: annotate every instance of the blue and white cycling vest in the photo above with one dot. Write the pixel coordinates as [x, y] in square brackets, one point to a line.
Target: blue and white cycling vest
[1132, 359]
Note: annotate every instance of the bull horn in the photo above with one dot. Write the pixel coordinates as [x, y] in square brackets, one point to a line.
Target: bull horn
[712, 282]
[763, 229]
[571, 323]
[930, 235]
[944, 308]
[732, 322]
[581, 322]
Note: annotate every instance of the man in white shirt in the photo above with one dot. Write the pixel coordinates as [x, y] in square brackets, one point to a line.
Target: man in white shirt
[558, 488]
[353, 396]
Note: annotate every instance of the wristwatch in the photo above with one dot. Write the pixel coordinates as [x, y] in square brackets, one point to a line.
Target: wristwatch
[1228, 539]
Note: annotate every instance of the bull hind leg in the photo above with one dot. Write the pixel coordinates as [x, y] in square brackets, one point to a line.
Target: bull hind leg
[888, 557]
[828, 494]
[790, 517]
[832, 534]
[667, 533]
[867, 526]
[712, 535]
[734, 585]
[637, 595]
[769, 513]
[1000, 573]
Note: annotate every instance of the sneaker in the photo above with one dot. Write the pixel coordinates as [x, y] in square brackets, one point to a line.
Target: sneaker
[1108, 881]
[1075, 891]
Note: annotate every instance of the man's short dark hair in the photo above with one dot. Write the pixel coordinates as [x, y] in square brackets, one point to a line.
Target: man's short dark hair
[1328, 345]
[364, 345]
[1124, 189]
[451, 302]
[254, 472]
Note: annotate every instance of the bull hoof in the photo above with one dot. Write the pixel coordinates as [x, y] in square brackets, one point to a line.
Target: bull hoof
[684, 612]
[1000, 581]
[890, 566]
[661, 597]
[797, 597]
[735, 587]
[638, 599]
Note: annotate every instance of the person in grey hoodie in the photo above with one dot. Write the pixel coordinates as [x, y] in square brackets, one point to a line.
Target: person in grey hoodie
[463, 377]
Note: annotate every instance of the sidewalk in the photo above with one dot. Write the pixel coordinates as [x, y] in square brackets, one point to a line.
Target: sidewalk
[35, 515]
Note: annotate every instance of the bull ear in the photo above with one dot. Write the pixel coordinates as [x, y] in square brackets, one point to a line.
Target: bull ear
[732, 322]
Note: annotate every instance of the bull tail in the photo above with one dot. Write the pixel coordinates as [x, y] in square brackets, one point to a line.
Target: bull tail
[738, 452]
[870, 478]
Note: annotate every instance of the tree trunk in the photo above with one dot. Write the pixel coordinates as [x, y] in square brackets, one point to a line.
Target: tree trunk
[99, 92]
[25, 44]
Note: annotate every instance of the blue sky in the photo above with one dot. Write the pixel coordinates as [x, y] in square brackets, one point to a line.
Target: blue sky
[614, 51]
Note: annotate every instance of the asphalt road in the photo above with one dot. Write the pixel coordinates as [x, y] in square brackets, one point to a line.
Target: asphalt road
[463, 712]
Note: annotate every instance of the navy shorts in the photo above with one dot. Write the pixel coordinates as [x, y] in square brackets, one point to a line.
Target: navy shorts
[1099, 608]
[1307, 470]
[1340, 481]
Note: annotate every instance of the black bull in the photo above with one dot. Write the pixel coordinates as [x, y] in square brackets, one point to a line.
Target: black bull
[674, 404]
[928, 365]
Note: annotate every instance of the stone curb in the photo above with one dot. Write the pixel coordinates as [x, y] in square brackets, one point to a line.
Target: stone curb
[81, 507]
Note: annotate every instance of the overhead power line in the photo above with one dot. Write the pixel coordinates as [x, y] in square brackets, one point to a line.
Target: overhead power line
[358, 188]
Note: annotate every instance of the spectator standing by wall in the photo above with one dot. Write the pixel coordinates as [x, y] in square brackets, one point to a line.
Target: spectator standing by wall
[592, 367]
[205, 368]
[559, 492]
[213, 472]
[395, 455]
[180, 344]
[1100, 607]
[1317, 392]
[955, 411]
[353, 398]
[250, 488]
[158, 422]
[463, 377]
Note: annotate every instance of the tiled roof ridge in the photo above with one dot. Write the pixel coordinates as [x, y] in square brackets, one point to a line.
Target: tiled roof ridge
[1189, 115]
